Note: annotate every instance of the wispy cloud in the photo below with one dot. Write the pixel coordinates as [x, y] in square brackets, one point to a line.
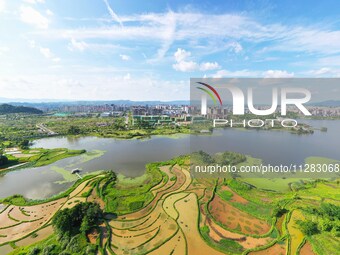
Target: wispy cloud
[324, 72]
[239, 73]
[169, 27]
[253, 74]
[32, 17]
[77, 45]
[3, 50]
[93, 87]
[167, 44]
[49, 12]
[277, 74]
[34, 1]
[46, 52]
[80, 45]
[168, 34]
[2, 5]
[114, 16]
[235, 47]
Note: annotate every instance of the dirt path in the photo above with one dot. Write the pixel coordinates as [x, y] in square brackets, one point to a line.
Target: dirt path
[188, 218]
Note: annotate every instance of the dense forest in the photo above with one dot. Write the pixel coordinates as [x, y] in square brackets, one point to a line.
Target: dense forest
[7, 109]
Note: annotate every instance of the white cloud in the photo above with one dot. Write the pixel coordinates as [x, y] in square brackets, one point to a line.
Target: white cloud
[253, 74]
[33, 17]
[235, 47]
[114, 16]
[180, 55]
[56, 60]
[3, 50]
[80, 45]
[277, 74]
[127, 77]
[325, 72]
[124, 57]
[92, 87]
[77, 45]
[169, 27]
[49, 12]
[168, 34]
[34, 1]
[239, 73]
[183, 65]
[32, 44]
[206, 66]
[333, 61]
[46, 52]
[2, 5]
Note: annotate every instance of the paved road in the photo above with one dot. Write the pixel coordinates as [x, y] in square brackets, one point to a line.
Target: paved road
[43, 128]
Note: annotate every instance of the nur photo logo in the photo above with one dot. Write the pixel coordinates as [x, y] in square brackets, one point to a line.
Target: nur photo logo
[239, 99]
[252, 103]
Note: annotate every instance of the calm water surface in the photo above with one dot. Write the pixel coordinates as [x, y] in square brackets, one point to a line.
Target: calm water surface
[130, 156]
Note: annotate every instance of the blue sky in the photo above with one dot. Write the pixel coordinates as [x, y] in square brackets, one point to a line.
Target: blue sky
[148, 50]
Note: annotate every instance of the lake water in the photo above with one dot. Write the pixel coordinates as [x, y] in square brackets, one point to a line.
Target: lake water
[130, 156]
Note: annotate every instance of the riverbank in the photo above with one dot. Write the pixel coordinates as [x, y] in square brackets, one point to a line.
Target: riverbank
[36, 157]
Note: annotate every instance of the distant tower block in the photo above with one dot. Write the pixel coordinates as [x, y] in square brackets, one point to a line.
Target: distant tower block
[204, 104]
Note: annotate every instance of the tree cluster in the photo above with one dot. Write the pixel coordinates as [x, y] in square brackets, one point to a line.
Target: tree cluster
[327, 219]
[79, 219]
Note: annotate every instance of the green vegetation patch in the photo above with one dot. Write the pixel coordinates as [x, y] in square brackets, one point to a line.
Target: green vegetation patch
[225, 194]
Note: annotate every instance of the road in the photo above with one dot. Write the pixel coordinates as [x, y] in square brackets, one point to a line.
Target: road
[44, 129]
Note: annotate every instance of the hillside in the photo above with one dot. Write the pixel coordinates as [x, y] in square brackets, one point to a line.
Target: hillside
[166, 211]
[7, 109]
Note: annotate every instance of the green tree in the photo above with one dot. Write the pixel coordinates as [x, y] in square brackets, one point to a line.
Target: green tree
[24, 144]
[74, 130]
[72, 221]
[3, 160]
[309, 228]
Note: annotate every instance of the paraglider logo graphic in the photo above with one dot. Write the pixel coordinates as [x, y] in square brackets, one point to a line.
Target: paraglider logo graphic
[211, 91]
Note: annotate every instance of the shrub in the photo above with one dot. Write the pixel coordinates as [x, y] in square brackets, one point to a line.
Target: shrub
[50, 250]
[136, 205]
[34, 251]
[309, 228]
[3, 160]
[225, 195]
[231, 245]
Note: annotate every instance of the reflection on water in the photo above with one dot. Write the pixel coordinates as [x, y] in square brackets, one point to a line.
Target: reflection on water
[130, 156]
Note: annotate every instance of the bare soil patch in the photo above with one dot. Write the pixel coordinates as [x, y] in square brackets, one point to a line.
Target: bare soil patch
[277, 249]
[218, 233]
[235, 219]
[307, 249]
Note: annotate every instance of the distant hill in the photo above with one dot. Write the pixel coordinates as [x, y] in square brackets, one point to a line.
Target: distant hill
[56, 102]
[329, 103]
[7, 109]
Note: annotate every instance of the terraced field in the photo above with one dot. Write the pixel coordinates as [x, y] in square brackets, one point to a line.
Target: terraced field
[184, 216]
